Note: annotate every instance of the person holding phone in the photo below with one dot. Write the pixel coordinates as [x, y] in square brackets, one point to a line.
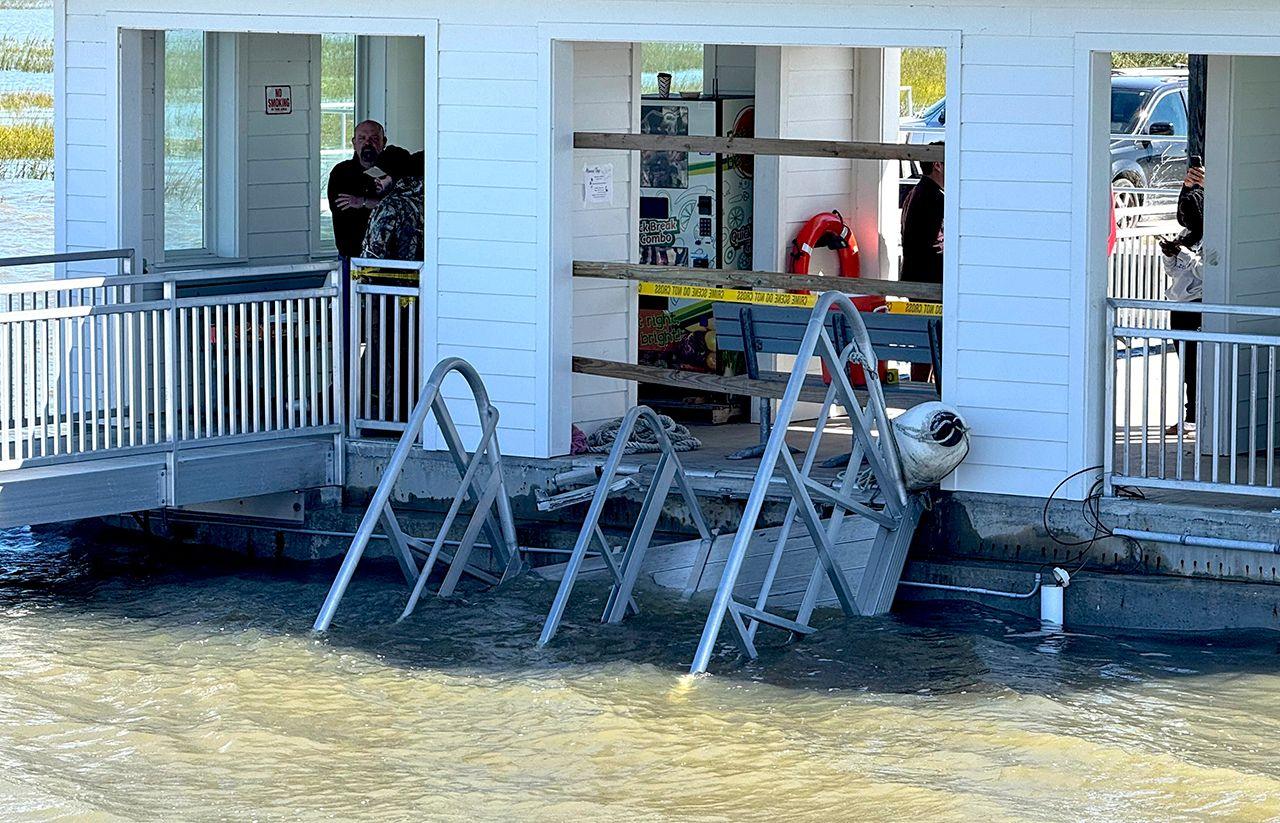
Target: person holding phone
[1191, 218]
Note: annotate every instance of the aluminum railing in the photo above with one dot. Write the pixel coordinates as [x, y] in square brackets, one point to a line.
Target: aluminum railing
[114, 365]
[1230, 371]
[1136, 272]
[384, 357]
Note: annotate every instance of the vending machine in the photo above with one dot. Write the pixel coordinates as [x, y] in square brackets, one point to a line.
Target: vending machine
[695, 211]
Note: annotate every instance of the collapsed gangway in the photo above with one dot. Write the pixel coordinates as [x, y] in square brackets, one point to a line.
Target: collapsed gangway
[124, 392]
[841, 543]
[853, 535]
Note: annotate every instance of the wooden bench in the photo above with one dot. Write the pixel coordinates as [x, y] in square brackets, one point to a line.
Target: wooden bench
[757, 330]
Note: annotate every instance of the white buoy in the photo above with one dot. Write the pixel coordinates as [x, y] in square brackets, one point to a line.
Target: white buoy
[932, 439]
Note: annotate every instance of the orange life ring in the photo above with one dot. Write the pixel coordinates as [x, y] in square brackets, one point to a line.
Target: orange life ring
[825, 230]
[828, 230]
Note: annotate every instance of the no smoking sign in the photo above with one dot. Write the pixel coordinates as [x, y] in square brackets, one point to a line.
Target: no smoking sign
[279, 100]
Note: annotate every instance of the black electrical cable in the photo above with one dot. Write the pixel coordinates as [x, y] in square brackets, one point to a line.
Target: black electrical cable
[1090, 512]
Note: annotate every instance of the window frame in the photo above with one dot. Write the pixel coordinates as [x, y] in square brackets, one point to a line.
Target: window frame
[223, 158]
[1158, 102]
[322, 248]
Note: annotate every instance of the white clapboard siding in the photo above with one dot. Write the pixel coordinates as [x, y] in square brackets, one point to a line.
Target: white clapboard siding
[278, 150]
[85, 144]
[1253, 226]
[489, 210]
[1010, 362]
[604, 319]
[817, 104]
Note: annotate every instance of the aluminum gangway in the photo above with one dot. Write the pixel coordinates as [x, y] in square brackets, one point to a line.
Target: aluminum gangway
[123, 391]
[481, 485]
[852, 557]
[625, 569]
[873, 465]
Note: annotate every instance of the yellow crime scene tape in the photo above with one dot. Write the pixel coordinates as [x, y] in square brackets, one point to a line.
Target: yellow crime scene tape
[719, 295]
[768, 298]
[906, 307]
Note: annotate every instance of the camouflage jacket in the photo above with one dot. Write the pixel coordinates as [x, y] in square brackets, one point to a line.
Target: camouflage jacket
[395, 226]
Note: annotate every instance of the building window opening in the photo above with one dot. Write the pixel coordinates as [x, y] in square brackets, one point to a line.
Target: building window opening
[337, 116]
[185, 123]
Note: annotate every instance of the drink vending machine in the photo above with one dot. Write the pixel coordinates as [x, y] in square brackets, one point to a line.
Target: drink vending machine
[695, 211]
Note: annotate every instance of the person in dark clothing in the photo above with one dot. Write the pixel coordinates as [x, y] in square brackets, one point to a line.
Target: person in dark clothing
[922, 238]
[395, 226]
[922, 227]
[352, 193]
[1191, 218]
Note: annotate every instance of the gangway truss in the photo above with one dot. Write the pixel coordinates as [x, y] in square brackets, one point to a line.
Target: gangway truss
[874, 463]
[482, 485]
[626, 569]
[858, 527]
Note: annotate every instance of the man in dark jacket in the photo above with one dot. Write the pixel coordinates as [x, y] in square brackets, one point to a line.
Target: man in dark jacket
[922, 227]
[352, 193]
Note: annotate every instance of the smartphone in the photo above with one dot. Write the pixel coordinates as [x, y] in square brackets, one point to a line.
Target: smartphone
[1195, 162]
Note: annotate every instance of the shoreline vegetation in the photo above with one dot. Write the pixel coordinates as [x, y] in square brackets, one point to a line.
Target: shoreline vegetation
[26, 114]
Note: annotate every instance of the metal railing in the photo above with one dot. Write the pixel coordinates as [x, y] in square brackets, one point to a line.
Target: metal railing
[104, 366]
[384, 357]
[1221, 372]
[1136, 272]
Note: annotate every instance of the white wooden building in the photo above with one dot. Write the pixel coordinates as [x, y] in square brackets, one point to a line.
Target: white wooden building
[493, 93]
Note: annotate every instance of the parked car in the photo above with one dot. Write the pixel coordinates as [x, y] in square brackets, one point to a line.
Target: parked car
[1148, 131]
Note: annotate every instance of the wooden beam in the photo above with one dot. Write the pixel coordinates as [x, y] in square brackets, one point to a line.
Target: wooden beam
[697, 381]
[733, 279]
[782, 147]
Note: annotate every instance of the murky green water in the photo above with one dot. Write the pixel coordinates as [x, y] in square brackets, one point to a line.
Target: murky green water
[136, 684]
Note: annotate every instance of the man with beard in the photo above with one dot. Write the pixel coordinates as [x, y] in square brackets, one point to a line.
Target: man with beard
[352, 193]
[395, 226]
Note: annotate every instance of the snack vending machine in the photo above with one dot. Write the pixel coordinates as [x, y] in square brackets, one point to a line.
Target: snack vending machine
[695, 211]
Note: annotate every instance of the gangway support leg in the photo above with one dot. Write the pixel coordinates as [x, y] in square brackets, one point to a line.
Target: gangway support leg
[625, 573]
[633, 557]
[492, 512]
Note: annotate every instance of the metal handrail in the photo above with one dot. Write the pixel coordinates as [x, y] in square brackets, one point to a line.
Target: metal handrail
[896, 521]
[129, 255]
[1195, 308]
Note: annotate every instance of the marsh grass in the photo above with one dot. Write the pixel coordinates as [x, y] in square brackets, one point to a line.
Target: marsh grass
[29, 54]
[682, 60]
[925, 71]
[26, 141]
[21, 101]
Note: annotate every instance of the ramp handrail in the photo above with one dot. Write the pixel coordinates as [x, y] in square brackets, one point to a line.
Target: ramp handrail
[98, 367]
[501, 535]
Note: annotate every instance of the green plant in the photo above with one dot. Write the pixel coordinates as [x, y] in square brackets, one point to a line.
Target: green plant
[28, 54]
[20, 101]
[925, 71]
[26, 141]
[1146, 59]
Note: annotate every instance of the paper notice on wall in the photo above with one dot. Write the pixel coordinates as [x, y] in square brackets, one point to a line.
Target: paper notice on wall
[598, 184]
